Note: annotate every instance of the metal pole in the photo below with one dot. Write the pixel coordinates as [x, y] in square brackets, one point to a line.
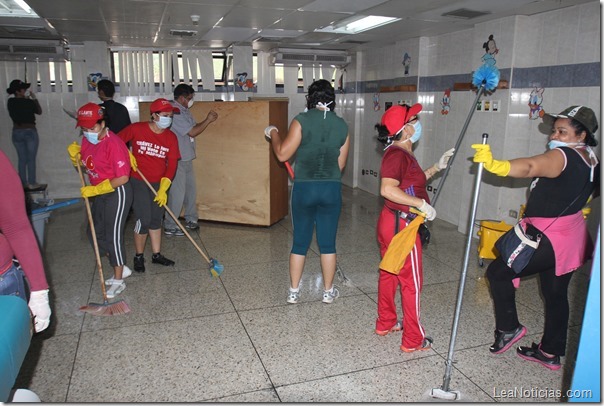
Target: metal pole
[457, 144]
[449, 361]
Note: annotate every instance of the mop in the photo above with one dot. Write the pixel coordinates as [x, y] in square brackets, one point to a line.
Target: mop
[486, 79]
[105, 308]
[344, 280]
[444, 392]
[216, 268]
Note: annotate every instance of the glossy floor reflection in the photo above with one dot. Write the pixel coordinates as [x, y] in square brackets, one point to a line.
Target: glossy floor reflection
[194, 338]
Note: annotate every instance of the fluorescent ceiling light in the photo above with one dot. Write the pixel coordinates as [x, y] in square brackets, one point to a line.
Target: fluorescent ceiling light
[357, 24]
[23, 5]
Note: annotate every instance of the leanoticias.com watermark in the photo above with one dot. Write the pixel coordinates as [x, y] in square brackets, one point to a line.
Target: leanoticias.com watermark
[521, 392]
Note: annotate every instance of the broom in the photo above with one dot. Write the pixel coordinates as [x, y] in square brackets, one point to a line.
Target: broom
[106, 308]
[216, 268]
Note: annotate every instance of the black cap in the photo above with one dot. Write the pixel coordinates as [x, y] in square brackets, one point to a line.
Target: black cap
[17, 85]
[582, 114]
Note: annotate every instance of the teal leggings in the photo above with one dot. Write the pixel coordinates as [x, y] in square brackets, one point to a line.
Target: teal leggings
[317, 203]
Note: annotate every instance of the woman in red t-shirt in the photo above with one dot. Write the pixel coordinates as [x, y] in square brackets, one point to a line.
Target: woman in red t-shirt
[107, 163]
[403, 185]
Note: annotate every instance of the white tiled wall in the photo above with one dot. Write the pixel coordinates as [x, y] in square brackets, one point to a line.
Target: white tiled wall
[570, 35]
[566, 36]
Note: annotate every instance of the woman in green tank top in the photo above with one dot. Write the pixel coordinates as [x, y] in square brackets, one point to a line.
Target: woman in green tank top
[320, 141]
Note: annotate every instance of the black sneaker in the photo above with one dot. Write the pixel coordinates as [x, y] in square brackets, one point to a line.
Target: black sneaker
[534, 353]
[192, 225]
[139, 263]
[174, 231]
[160, 259]
[505, 339]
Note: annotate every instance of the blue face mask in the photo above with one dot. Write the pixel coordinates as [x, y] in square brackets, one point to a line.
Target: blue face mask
[418, 132]
[164, 122]
[556, 144]
[93, 138]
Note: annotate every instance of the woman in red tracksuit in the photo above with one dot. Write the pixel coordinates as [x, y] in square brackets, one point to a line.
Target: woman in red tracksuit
[403, 185]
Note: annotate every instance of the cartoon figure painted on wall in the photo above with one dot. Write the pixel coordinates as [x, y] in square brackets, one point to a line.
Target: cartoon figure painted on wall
[446, 102]
[491, 49]
[406, 63]
[376, 102]
[243, 82]
[93, 79]
[534, 103]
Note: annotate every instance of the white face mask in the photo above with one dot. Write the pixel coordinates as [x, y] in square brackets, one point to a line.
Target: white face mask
[190, 103]
[164, 122]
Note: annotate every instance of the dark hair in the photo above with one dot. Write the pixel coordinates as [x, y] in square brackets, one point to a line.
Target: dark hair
[106, 86]
[383, 134]
[590, 139]
[183, 90]
[321, 91]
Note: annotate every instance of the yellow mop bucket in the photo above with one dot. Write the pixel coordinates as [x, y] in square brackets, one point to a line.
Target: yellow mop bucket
[489, 233]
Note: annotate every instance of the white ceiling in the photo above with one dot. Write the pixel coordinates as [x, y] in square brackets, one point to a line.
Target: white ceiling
[263, 23]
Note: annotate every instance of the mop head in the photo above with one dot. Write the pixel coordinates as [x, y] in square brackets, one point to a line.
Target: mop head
[216, 268]
[439, 393]
[486, 75]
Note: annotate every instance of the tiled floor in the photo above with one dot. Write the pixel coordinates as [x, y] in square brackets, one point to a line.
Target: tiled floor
[191, 337]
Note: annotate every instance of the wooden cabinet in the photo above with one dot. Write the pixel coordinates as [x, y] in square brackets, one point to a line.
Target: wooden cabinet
[239, 179]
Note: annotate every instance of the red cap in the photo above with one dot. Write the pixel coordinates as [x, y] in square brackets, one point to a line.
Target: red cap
[89, 114]
[396, 117]
[163, 105]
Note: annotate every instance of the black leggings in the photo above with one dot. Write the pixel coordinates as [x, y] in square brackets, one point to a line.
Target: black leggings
[554, 289]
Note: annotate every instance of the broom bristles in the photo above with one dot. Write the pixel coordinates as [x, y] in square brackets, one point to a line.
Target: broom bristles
[216, 268]
[106, 309]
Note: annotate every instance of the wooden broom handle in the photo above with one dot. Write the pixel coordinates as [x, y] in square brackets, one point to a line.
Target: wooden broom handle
[93, 232]
[175, 219]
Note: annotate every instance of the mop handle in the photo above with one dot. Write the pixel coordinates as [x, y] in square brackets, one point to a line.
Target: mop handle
[457, 144]
[449, 361]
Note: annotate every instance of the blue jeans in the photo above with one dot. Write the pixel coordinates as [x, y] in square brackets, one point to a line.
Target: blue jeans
[12, 283]
[26, 142]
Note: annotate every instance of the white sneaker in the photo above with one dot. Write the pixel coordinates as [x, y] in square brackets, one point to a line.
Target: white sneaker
[293, 297]
[115, 289]
[126, 272]
[330, 296]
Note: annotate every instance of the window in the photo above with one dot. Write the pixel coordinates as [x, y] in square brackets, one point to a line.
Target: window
[51, 68]
[279, 73]
[219, 59]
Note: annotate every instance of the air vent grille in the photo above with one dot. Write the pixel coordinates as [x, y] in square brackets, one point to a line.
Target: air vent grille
[332, 58]
[465, 13]
[40, 50]
[27, 49]
[293, 57]
[183, 33]
[298, 57]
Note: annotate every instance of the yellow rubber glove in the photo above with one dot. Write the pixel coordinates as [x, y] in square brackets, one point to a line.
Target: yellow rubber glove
[133, 163]
[162, 196]
[73, 150]
[483, 155]
[100, 189]
[587, 209]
